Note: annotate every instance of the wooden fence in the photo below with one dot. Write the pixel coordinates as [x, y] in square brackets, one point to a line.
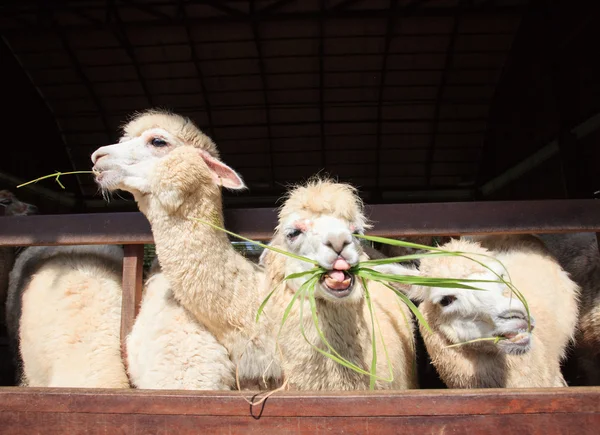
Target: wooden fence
[559, 410]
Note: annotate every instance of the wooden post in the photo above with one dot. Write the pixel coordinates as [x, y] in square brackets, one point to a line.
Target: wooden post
[133, 263]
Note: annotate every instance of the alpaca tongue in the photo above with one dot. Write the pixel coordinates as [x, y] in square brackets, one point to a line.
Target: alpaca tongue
[336, 275]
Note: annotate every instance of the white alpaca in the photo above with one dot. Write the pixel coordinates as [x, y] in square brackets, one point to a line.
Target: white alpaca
[318, 221]
[169, 349]
[64, 311]
[12, 207]
[522, 358]
[172, 170]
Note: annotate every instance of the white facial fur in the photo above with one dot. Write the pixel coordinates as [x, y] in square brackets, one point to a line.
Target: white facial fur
[325, 239]
[465, 315]
[128, 165]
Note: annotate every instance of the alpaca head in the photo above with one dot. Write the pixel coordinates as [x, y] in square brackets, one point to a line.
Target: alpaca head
[319, 221]
[164, 155]
[14, 207]
[462, 315]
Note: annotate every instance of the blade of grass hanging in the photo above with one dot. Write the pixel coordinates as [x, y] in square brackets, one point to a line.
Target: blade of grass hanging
[394, 242]
[288, 277]
[262, 245]
[494, 339]
[373, 337]
[297, 294]
[335, 356]
[421, 280]
[56, 176]
[403, 298]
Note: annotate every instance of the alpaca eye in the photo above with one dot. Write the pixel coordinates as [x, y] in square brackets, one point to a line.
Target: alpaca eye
[447, 300]
[158, 142]
[292, 234]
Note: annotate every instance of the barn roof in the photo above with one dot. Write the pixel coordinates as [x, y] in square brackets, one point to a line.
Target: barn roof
[392, 95]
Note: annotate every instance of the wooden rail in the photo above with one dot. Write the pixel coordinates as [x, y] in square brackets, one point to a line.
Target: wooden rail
[527, 411]
[541, 411]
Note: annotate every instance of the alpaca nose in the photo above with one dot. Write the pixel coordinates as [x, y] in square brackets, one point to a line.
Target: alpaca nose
[97, 155]
[338, 241]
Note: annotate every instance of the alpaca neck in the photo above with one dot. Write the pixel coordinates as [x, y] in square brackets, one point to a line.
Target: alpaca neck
[208, 277]
[344, 328]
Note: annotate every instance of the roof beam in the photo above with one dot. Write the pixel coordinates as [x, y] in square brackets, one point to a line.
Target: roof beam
[199, 73]
[546, 152]
[440, 94]
[263, 79]
[322, 86]
[121, 35]
[237, 16]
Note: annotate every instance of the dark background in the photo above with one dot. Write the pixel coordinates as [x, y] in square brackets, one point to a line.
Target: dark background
[439, 100]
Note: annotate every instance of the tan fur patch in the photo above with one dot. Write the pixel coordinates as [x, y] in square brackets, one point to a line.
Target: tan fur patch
[325, 197]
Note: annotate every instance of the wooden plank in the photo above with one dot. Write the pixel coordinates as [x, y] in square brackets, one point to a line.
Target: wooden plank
[133, 262]
[25, 423]
[389, 220]
[306, 404]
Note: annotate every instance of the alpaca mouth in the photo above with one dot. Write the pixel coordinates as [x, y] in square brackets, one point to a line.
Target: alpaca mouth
[338, 283]
[516, 342]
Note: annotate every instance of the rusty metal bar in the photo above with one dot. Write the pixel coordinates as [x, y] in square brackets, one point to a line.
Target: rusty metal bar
[133, 262]
[510, 217]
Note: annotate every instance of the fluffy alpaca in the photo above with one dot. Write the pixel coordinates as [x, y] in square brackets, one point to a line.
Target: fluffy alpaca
[64, 313]
[318, 221]
[169, 349]
[524, 359]
[172, 170]
[12, 207]
[578, 255]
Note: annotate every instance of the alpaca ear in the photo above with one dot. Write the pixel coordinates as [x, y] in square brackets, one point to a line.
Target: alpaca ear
[262, 260]
[222, 174]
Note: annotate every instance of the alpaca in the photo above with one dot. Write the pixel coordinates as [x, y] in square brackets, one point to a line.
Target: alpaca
[12, 207]
[64, 314]
[318, 221]
[578, 254]
[524, 358]
[174, 173]
[169, 349]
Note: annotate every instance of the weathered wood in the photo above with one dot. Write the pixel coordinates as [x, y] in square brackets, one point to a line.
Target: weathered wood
[133, 262]
[26, 423]
[389, 220]
[306, 404]
[543, 411]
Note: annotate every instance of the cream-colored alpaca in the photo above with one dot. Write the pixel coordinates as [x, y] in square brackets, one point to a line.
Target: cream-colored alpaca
[523, 358]
[318, 221]
[578, 255]
[64, 310]
[169, 349]
[173, 171]
[12, 207]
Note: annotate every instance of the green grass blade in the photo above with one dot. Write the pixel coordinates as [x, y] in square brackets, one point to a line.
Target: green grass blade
[262, 245]
[56, 176]
[373, 337]
[394, 242]
[297, 294]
